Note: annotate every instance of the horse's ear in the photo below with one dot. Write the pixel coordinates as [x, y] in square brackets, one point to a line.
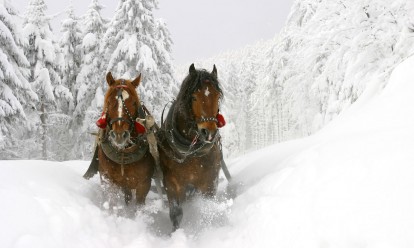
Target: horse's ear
[109, 79]
[214, 72]
[137, 81]
[192, 69]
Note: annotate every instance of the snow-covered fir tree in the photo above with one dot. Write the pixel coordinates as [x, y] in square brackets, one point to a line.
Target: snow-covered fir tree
[329, 55]
[15, 90]
[90, 81]
[70, 44]
[43, 54]
[136, 42]
[326, 57]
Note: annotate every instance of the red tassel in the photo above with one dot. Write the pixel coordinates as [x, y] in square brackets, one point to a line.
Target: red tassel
[101, 122]
[139, 128]
[221, 122]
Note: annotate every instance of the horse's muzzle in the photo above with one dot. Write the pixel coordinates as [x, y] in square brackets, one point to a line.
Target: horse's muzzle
[119, 139]
[207, 135]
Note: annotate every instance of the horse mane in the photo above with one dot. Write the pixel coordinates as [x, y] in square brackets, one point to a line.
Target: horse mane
[193, 82]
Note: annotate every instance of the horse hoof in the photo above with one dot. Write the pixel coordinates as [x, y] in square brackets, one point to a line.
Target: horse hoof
[176, 226]
[176, 215]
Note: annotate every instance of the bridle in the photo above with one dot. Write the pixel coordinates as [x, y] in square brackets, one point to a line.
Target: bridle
[129, 120]
[139, 128]
[206, 119]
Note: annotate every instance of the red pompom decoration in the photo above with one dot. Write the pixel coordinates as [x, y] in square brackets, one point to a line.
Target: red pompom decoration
[139, 128]
[221, 122]
[101, 122]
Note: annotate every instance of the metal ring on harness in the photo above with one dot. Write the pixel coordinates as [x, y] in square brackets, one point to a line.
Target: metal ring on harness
[207, 119]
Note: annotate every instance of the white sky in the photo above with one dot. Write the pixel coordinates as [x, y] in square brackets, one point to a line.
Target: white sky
[200, 28]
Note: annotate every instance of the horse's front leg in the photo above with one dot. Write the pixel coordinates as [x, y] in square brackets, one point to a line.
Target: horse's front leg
[127, 195]
[142, 191]
[176, 213]
[176, 195]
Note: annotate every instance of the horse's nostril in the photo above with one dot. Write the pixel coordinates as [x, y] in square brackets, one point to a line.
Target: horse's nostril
[125, 135]
[112, 134]
[204, 132]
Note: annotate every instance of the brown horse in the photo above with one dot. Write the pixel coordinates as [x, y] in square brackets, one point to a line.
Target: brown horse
[123, 153]
[190, 151]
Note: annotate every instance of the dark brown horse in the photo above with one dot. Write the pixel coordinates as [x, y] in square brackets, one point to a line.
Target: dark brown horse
[190, 151]
[123, 155]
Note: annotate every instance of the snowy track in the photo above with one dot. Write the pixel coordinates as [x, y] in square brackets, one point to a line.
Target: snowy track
[49, 204]
[351, 185]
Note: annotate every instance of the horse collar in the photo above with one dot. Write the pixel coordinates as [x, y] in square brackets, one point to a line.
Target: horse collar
[129, 155]
[181, 146]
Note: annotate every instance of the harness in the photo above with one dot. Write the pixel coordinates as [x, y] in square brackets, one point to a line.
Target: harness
[128, 155]
[181, 147]
[207, 119]
[139, 146]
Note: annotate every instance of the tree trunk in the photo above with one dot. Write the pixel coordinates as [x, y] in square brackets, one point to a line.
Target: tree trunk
[44, 130]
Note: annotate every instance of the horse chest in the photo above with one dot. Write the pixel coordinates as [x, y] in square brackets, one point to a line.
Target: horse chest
[134, 173]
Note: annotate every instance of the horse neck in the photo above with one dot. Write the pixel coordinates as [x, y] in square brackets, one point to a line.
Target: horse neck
[181, 119]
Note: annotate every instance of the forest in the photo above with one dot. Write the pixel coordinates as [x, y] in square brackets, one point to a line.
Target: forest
[51, 88]
[319, 136]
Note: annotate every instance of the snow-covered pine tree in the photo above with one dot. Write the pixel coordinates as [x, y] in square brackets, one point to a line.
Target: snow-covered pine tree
[281, 68]
[42, 53]
[15, 90]
[163, 42]
[334, 55]
[248, 75]
[136, 42]
[70, 44]
[230, 107]
[90, 80]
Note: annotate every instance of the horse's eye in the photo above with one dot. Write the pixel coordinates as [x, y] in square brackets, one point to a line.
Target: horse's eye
[194, 98]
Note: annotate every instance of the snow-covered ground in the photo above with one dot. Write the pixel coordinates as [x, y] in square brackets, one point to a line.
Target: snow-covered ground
[350, 185]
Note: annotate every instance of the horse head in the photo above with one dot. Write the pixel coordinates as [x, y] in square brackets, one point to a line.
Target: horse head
[121, 108]
[205, 101]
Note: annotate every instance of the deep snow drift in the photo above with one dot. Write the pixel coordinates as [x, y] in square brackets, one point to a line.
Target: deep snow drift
[350, 185]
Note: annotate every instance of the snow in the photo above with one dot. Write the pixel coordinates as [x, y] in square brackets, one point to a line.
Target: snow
[9, 105]
[44, 83]
[146, 61]
[89, 41]
[63, 92]
[46, 49]
[99, 97]
[350, 185]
